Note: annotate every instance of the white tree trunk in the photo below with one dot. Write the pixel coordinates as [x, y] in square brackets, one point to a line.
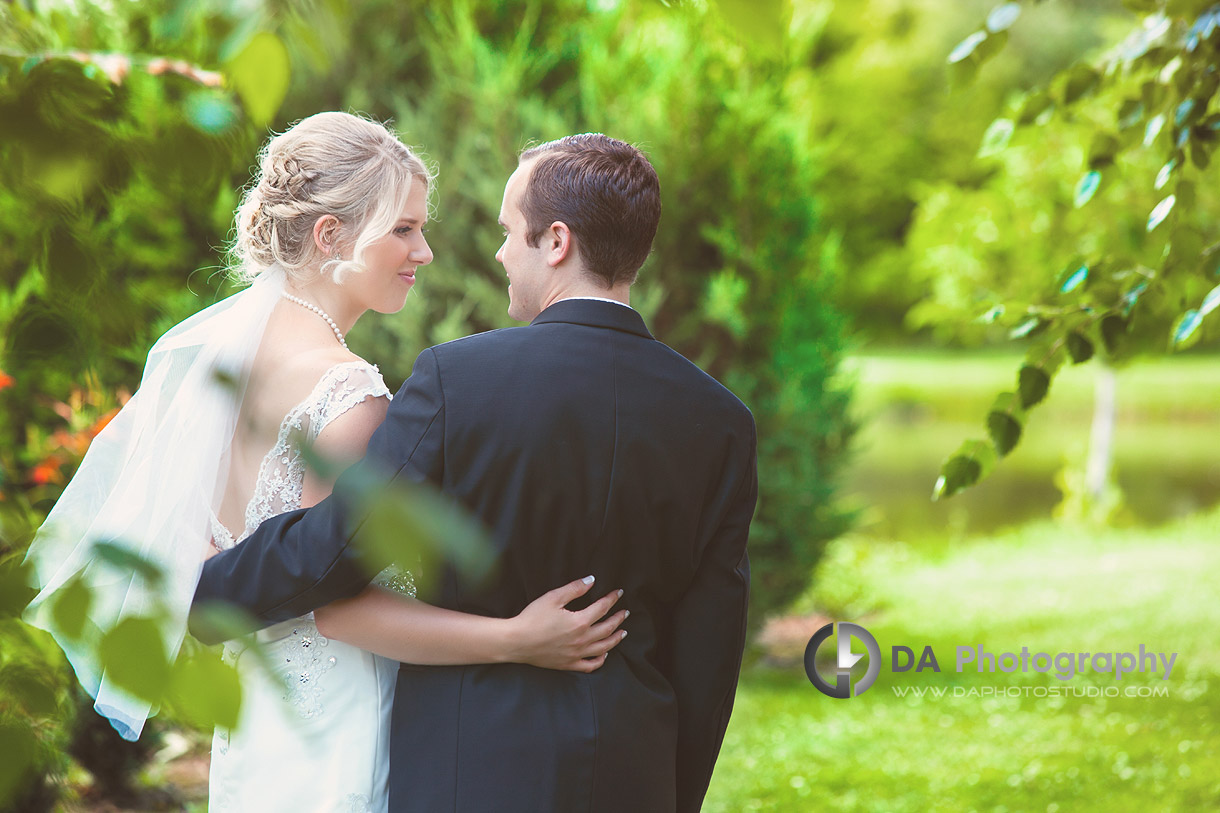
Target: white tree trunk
[1101, 437]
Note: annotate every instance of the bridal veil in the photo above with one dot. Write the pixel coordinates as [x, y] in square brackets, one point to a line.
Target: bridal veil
[147, 485]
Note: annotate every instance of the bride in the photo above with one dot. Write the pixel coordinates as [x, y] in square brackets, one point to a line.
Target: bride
[332, 228]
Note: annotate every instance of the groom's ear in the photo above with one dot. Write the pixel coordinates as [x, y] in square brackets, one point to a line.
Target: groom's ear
[560, 243]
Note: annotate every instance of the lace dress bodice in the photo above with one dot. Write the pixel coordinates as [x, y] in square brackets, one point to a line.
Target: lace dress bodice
[312, 708]
[281, 477]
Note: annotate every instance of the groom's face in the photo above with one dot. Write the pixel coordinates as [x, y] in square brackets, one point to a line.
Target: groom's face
[529, 276]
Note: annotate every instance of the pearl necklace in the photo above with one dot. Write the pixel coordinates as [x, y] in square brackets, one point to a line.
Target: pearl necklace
[319, 312]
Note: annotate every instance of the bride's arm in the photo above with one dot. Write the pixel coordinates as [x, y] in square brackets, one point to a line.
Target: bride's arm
[404, 629]
[543, 634]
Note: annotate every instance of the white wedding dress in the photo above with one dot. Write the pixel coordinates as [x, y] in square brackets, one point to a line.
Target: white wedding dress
[314, 727]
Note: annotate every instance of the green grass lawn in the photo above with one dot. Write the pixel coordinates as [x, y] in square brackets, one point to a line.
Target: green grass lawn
[916, 408]
[1047, 587]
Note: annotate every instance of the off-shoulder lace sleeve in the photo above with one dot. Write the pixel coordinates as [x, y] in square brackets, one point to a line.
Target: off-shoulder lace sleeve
[282, 473]
[343, 387]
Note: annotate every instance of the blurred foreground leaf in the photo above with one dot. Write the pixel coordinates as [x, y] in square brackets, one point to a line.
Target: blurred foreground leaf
[17, 749]
[260, 74]
[763, 22]
[205, 689]
[15, 590]
[972, 461]
[71, 606]
[134, 658]
[32, 689]
[1004, 422]
[409, 524]
[116, 554]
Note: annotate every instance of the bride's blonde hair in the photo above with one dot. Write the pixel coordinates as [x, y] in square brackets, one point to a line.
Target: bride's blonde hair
[327, 164]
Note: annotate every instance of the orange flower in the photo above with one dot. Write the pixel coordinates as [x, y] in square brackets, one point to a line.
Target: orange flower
[6, 380]
[76, 443]
[48, 471]
[101, 422]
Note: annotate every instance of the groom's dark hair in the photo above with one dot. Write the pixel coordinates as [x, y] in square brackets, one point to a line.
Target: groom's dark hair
[605, 191]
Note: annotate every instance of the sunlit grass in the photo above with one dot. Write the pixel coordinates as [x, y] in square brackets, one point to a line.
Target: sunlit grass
[1046, 587]
[917, 408]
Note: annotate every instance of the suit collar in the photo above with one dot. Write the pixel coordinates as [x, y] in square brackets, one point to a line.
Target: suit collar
[595, 314]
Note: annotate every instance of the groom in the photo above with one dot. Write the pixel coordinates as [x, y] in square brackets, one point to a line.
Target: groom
[585, 446]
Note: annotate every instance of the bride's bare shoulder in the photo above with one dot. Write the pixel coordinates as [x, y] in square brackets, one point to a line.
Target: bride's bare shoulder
[281, 381]
[309, 366]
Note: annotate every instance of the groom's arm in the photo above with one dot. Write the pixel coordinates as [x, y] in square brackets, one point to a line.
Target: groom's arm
[708, 638]
[299, 561]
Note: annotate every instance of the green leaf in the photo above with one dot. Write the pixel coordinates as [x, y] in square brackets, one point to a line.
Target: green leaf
[967, 47]
[70, 609]
[133, 656]
[260, 74]
[1034, 105]
[1185, 247]
[1184, 328]
[991, 315]
[1143, 5]
[206, 690]
[1074, 280]
[1113, 330]
[1025, 328]
[1079, 347]
[991, 46]
[1210, 302]
[410, 522]
[15, 589]
[1033, 384]
[220, 621]
[34, 691]
[210, 112]
[1102, 151]
[1161, 211]
[1130, 113]
[1004, 421]
[965, 468]
[1200, 153]
[764, 22]
[19, 747]
[1132, 296]
[1081, 79]
[1182, 114]
[1087, 187]
[1003, 16]
[125, 560]
[1184, 194]
[996, 138]
[724, 302]
[1165, 173]
[1153, 128]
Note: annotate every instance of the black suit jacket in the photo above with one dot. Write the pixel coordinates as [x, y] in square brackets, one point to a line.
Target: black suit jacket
[585, 446]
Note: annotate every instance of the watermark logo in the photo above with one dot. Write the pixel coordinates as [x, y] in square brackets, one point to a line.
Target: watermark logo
[842, 687]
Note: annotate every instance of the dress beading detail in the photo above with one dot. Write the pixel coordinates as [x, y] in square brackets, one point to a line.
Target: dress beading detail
[357, 803]
[304, 660]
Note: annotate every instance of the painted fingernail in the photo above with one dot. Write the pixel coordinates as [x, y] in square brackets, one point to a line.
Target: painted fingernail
[587, 580]
[624, 634]
[626, 614]
[620, 593]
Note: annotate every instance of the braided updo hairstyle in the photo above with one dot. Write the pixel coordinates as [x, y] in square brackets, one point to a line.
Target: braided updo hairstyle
[327, 164]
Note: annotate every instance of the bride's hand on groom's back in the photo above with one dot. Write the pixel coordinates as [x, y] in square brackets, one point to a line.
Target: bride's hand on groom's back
[547, 635]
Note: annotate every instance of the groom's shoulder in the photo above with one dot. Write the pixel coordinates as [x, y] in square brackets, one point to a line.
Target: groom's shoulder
[481, 343]
[710, 392]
